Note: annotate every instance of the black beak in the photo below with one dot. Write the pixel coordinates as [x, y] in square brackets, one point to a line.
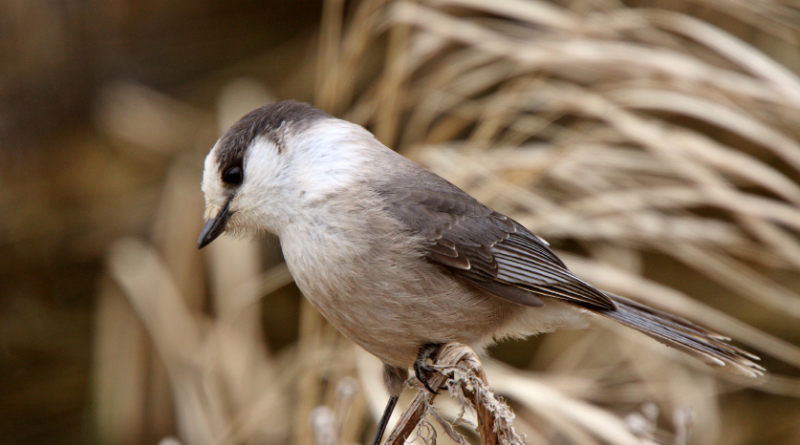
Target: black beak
[215, 226]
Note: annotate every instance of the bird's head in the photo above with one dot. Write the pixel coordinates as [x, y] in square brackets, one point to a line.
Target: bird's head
[273, 160]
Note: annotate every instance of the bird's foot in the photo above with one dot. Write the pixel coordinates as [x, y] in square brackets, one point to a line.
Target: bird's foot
[421, 368]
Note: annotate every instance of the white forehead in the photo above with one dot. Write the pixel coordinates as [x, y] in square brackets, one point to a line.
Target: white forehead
[212, 186]
[211, 165]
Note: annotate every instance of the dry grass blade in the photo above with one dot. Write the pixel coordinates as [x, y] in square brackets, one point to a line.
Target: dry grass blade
[739, 52]
[739, 278]
[205, 362]
[725, 117]
[578, 56]
[559, 408]
[125, 108]
[534, 12]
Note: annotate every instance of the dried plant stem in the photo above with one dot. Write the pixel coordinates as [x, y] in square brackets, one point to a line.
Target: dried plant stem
[461, 369]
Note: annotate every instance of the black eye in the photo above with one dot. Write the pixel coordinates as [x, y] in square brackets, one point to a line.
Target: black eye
[232, 176]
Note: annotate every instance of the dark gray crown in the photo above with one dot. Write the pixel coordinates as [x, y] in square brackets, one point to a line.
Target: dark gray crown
[289, 115]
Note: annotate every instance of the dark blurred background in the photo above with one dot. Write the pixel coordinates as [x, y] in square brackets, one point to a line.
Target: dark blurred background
[67, 192]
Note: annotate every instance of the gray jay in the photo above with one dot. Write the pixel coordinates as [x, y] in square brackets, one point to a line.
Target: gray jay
[398, 259]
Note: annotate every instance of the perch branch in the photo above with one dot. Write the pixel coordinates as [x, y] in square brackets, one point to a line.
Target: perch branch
[460, 369]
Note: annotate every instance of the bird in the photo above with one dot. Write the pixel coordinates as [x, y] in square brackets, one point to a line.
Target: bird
[400, 260]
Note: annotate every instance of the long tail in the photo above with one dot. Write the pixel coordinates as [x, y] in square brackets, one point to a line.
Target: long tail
[682, 334]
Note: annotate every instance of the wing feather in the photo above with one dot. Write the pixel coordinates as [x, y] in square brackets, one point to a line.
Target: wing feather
[485, 248]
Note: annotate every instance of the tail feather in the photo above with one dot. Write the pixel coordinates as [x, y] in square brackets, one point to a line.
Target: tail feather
[684, 335]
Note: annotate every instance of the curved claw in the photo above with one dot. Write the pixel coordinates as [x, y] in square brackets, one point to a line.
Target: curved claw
[424, 374]
[421, 368]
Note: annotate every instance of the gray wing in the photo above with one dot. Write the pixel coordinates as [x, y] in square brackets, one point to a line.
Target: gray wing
[485, 248]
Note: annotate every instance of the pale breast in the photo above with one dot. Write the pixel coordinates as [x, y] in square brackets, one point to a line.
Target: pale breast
[371, 283]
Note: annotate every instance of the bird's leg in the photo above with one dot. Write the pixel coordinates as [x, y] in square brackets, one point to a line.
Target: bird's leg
[394, 378]
[387, 413]
[421, 368]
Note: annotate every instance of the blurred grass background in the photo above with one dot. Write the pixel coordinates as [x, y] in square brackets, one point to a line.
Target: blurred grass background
[654, 143]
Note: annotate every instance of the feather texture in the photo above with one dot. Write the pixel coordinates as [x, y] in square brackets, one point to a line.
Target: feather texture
[684, 335]
[486, 249]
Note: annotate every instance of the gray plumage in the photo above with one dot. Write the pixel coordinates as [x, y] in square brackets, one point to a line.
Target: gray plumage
[396, 257]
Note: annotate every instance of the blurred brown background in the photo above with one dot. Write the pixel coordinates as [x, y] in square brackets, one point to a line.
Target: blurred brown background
[655, 143]
[70, 186]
